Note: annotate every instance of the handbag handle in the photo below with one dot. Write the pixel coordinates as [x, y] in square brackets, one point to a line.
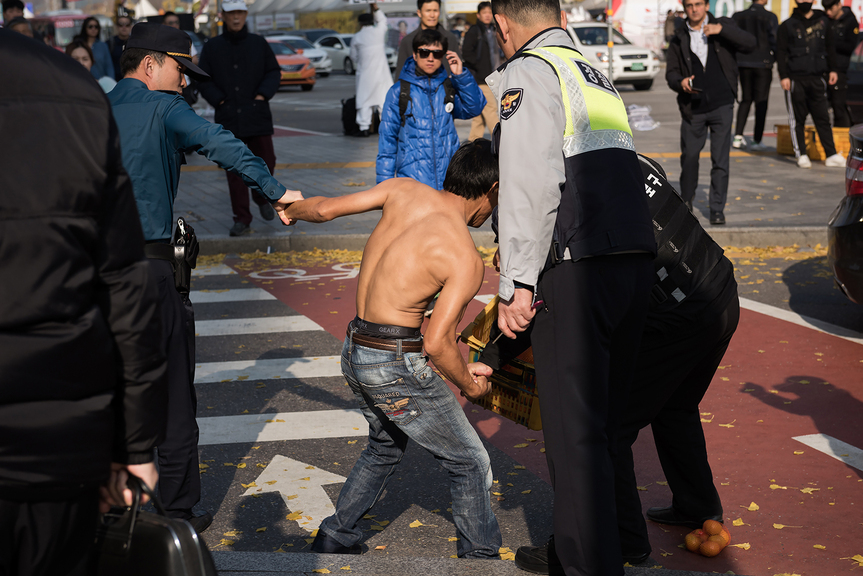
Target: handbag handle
[138, 487]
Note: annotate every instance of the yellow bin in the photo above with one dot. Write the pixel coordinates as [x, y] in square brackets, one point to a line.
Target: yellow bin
[813, 145]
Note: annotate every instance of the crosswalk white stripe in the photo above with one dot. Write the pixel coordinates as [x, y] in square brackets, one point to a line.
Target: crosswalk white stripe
[217, 270]
[281, 426]
[842, 451]
[232, 326]
[268, 369]
[800, 320]
[233, 295]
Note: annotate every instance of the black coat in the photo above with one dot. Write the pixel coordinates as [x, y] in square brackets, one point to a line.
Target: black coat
[477, 56]
[725, 45]
[803, 46]
[241, 66]
[764, 25]
[81, 366]
[844, 36]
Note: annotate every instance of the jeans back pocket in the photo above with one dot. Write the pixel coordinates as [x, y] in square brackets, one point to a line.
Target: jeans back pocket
[394, 399]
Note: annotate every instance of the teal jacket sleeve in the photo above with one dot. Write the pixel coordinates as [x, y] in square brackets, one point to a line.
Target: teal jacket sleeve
[190, 131]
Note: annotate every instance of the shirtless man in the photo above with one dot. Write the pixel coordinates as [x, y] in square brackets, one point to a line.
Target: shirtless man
[420, 247]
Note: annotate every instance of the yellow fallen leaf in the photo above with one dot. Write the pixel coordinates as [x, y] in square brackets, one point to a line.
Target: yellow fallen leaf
[520, 446]
[778, 487]
[352, 441]
[798, 452]
[519, 467]
[786, 574]
[261, 529]
[261, 465]
[642, 488]
[294, 515]
[753, 507]
[292, 496]
[781, 526]
[250, 485]
[435, 511]
[226, 542]
[525, 492]
[730, 424]
[819, 546]
[663, 483]
[416, 524]
[309, 540]
[271, 482]
[368, 516]
[203, 466]
[348, 568]
[665, 554]
[312, 467]
[738, 522]
[306, 479]
[228, 464]
[320, 571]
[377, 528]
[809, 490]
[452, 539]
[856, 558]
[233, 533]
[497, 493]
[743, 545]
[542, 450]
[382, 522]
[383, 547]
[508, 556]
[243, 465]
[314, 532]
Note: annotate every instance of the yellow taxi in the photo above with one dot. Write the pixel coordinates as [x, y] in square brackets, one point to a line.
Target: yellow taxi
[296, 69]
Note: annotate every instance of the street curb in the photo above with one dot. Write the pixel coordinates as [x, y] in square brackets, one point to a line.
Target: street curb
[724, 236]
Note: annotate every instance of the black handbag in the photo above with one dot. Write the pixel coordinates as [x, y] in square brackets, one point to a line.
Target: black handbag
[133, 542]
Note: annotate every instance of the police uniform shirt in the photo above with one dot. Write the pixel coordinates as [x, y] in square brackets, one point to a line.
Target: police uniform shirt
[155, 128]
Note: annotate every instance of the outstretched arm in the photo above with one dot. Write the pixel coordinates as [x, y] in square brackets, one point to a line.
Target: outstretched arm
[323, 209]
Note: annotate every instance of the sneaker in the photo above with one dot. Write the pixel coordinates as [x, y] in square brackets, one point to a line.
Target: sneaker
[326, 544]
[757, 147]
[804, 162]
[835, 161]
[739, 142]
[239, 229]
[267, 212]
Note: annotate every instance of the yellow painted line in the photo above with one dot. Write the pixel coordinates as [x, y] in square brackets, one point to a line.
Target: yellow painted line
[733, 154]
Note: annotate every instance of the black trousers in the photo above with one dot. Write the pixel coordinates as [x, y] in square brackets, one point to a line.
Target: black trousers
[693, 134]
[808, 96]
[754, 87]
[584, 340]
[838, 96]
[673, 372]
[179, 477]
[49, 538]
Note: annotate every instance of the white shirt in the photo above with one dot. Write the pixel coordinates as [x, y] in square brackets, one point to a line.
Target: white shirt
[698, 42]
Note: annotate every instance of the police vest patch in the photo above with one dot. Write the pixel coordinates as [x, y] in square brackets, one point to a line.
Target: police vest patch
[594, 78]
[509, 102]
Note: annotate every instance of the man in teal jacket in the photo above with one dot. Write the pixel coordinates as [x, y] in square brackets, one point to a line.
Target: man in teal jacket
[156, 125]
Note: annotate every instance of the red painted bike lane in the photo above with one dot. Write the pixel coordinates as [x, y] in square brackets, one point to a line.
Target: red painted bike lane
[790, 508]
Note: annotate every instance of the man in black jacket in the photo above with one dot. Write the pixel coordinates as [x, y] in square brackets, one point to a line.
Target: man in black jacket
[756, 70]
[82, 372]
[702, 69]
[804, 57]
[482, 57]
[843, 29]
[429, 15]
[245, 75]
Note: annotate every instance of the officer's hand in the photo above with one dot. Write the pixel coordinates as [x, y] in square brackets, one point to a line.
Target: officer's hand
[259, 97]
[288, 198]
[785, 83]
[833, 78]
[115, 492]
[712, 29]
[516, 314]
[455, 65]
[495, 260]
[479, 387]
[686, 85]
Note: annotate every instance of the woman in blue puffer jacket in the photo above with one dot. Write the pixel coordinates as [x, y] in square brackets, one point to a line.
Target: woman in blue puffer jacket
[422, 148]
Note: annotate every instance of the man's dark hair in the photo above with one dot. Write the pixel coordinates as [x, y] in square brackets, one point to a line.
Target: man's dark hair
[482, 5]
[472, 171]
[429, 38]
[421, 2]
[168, 13]
[528, 12]
[366, 19]
[132, 57]
[11, 4]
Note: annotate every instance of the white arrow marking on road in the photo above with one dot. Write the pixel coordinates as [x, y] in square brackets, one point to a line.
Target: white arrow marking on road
[805, 321]
[301, 487]
[842, 451]
[343, 272]
[484, 298]
[268, 369]
[217, 270]
[255, 326]
[233, 295]
[281, 426]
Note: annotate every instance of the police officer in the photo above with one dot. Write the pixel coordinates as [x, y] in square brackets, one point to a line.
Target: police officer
[843, 30]
[804, 57]
[156, 125]
[575, 234]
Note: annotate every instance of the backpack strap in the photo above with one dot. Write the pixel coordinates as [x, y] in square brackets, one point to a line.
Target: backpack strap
[449, 90]
[404, 98]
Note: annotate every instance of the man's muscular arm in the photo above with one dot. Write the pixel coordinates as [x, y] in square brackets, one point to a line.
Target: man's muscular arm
[461, 283]
[323, 209]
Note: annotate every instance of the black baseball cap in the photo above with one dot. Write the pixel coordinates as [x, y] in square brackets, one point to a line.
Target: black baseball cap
[160, 38]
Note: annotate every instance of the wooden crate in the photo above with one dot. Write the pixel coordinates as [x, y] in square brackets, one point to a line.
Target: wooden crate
[813, 145]
[513, 388]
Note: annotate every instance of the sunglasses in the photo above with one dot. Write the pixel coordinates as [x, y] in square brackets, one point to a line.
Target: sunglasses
[92, 27]
[423, 53]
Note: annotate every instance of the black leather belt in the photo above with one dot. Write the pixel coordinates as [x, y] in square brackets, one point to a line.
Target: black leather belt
[159, 251]
[388, 344]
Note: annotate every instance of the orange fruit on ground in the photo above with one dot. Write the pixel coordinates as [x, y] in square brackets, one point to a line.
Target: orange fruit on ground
[712, 527]
[701, 534]
[693, 542]
[710, 548]
[726, 534]
[717, 538]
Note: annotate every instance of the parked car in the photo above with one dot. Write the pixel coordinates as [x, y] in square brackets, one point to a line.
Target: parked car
[338, 47]
[631, 64]
[855, 85]
[296, 69]
[312, 34]
[320, 60]
[845, 227]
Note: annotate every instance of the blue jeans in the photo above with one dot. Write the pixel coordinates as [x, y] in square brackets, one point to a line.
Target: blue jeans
[403, 398]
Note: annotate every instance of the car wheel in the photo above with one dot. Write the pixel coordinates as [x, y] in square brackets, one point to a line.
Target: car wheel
[643, 85]
[349, 66]
[307, 87]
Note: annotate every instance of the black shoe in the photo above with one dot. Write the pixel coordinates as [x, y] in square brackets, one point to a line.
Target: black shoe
[325, 544]
[635, 559]
[202, 522]
[717, 218]
[539, 559]
[671, 517]
[362, 134]
[267, 212]
[689, 205]
[239, 229]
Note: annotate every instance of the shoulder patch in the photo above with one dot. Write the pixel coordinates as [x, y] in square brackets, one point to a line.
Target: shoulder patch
[510, 101]
[594, 78]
